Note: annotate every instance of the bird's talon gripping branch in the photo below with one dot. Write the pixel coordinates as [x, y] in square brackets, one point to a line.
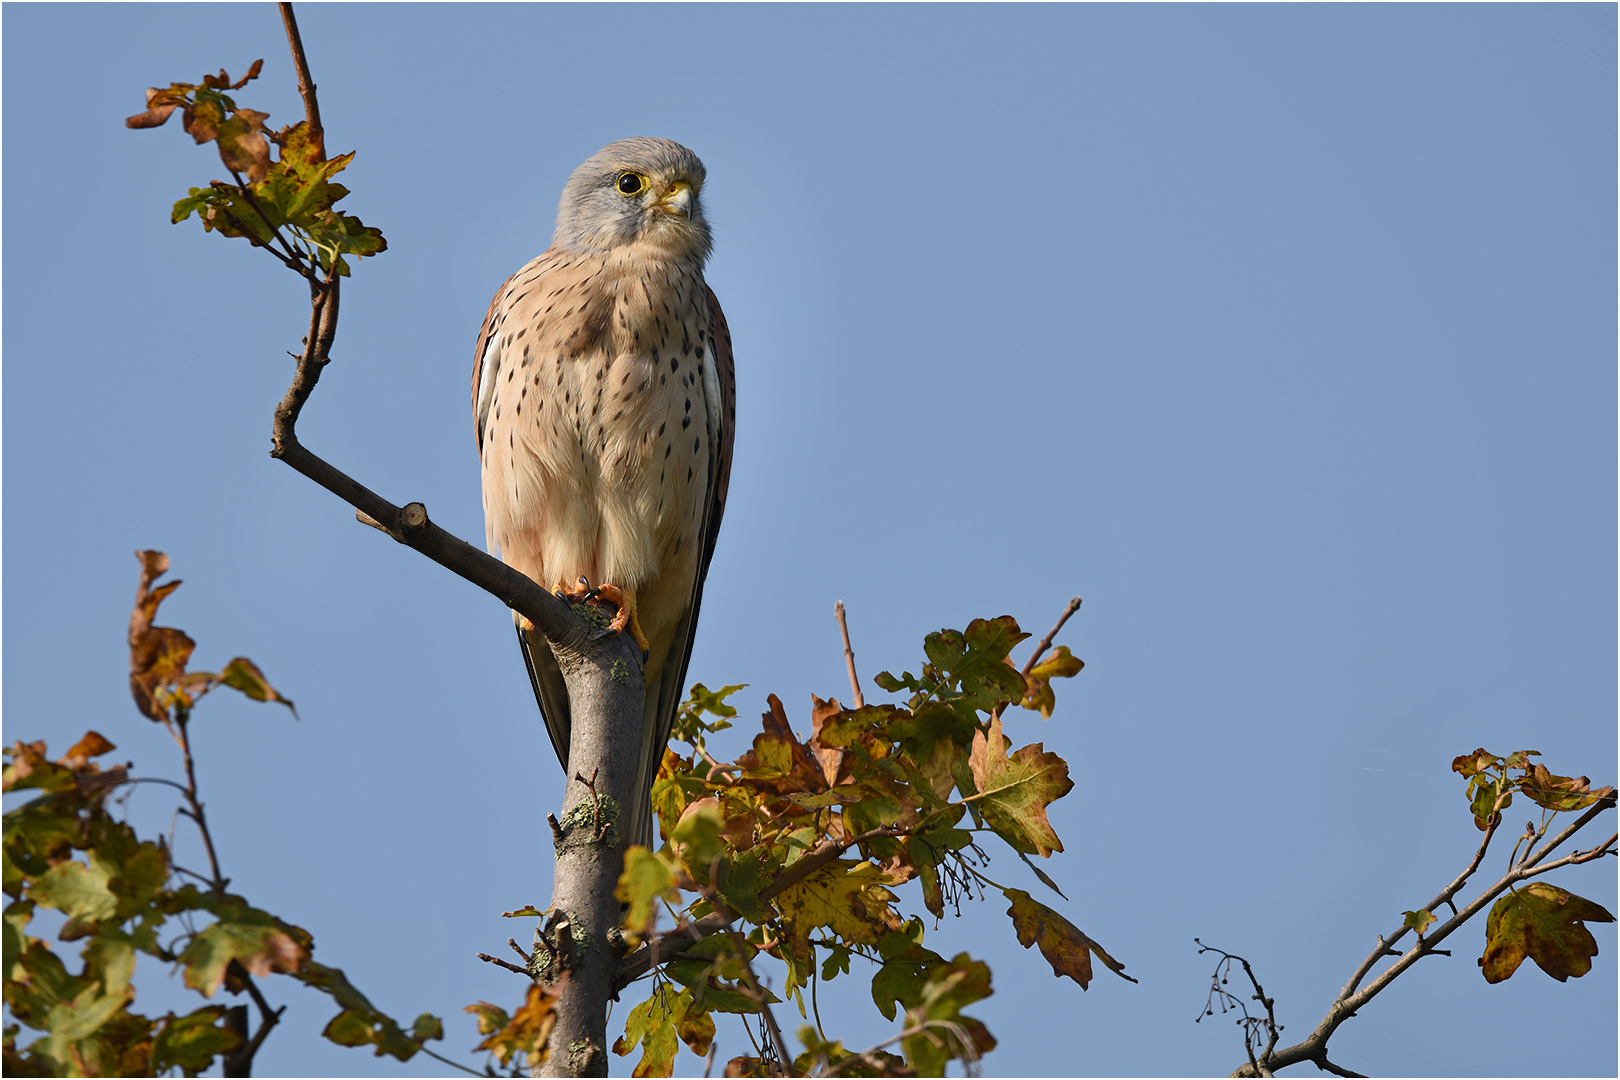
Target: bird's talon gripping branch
[625, 601]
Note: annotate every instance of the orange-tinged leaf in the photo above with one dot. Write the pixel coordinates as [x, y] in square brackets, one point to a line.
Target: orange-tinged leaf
[1559, 792]
[526, 1031]
[1546, 924]
[1014, 792]
[259, 948]
[155, 115]
[1470, 765]
[92, 745]
[1065, 947]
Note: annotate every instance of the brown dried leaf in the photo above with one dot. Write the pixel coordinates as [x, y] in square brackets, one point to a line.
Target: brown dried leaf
[830, 758]
[155, 115]
[527, 1030]
[1559, 792]
[243, 146]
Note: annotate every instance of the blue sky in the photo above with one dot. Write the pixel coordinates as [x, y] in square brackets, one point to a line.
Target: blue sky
[1285, 336]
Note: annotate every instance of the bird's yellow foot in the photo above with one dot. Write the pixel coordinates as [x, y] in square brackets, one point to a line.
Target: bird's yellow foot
[625, 600]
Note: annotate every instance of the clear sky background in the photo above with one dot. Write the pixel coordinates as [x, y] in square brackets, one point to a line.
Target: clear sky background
[1285, 336]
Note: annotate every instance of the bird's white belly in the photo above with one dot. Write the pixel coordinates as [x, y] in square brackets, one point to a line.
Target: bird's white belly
[608, 472]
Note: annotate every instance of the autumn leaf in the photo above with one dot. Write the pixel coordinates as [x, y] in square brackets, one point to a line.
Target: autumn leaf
[846, 897]
[1014, 792]
[1418, 920]
[1062, 664]
[1559, 792]
[1067, 949]
[242, 674]
[258, 947]
[1546, 924]
[524, 1032]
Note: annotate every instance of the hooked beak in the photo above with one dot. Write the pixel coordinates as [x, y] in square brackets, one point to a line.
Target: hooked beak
[678, 203]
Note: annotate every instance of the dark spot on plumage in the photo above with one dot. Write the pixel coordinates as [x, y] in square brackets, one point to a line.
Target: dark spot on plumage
[662, 379]
[686, 422]
[667, 449]
[696, 443]
[689, 476]
[688, 404]
[661, 430]
[678, 540]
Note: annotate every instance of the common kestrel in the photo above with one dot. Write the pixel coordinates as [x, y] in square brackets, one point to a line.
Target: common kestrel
[605, 398]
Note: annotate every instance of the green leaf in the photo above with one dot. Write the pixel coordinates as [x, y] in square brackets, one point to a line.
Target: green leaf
[713, 979]
[259, 948]
[647, 876]
[651, 1025]
[1418, 920]
[1545, 923]
[242, 674]
[77, 890]
[949, 988]
[697, 838]
[1014, 792]
[191, 1042]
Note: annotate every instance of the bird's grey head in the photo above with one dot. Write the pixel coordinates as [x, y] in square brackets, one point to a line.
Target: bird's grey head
[635, 190]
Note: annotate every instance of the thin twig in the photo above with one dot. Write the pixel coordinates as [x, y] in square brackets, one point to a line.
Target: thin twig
[447, 1061]
[849, 657]
[1350, 1000]
[1046, 642]
[969, 1051]
[1029, 665]
[498, 962]
[306, 85]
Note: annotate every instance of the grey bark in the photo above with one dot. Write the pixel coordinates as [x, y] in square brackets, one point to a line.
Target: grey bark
[580, 935]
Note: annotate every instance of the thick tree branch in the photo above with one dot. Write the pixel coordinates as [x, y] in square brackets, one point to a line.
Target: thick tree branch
[603, 672]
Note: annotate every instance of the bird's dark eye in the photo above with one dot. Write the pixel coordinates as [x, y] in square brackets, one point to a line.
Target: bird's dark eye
[631, 183]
